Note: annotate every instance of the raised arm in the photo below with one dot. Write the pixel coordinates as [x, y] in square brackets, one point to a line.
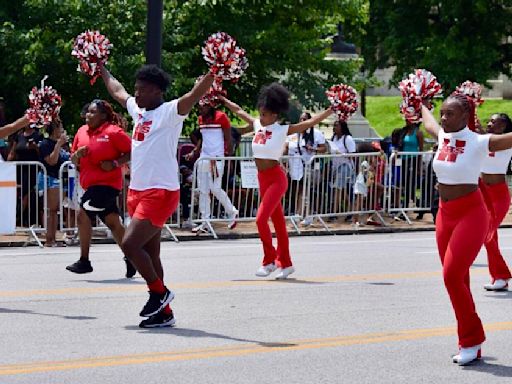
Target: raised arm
[237, 110]
[304, 125]
[430, 123]
[9, 129]
[189, 99]
[114, 87]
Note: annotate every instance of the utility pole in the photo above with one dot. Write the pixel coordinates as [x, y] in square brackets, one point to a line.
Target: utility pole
[154, 32]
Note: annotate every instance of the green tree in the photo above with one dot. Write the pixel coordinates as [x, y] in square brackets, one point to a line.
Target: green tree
[456, 40]
[285, 41]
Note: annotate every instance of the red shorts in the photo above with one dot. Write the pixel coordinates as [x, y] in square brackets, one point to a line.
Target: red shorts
[155, 205]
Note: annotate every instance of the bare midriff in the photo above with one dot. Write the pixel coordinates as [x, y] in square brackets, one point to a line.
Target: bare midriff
[452, 192]
[264, 164]
[491, 179]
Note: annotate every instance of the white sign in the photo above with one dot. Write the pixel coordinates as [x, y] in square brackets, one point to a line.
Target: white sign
[249, 174]
[7, 198]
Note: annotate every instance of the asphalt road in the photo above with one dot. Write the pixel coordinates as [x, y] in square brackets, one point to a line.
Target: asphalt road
[360, 309]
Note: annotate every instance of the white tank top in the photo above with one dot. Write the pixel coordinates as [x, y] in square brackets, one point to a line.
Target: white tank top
[269, 141]
[496, 163]
[460, 156]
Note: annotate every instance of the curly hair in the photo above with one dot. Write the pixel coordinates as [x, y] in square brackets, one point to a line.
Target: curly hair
[274, 98]
[154, 75]
[106, 108]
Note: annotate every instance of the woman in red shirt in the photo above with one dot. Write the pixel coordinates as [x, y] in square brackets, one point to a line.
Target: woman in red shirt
[99, 150]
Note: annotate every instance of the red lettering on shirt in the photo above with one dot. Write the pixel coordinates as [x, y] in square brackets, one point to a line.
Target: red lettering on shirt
[261, 137]
[450, 153]
[142, 128]
[492, 154]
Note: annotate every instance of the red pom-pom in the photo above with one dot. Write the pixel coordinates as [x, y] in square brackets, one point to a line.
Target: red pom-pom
[472, 90]
[92, 49]
[225, 58]
[343, 100]
[417, 87]
[212, 96]
[44, 105]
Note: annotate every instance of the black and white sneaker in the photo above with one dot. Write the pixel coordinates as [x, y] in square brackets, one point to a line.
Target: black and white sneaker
[130, 269]
[80, 266]
[156, 302]
[158, 321]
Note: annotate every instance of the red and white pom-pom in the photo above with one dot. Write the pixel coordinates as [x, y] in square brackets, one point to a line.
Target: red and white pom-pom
[212, 96]
[343, 99]
[44, 105]
[417, 87]
[92, 49]
[224, 57]
[472, 90]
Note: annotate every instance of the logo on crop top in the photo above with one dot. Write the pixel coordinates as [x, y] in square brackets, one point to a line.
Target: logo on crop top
[261, 137]
[449, 153]
[142, 129]
[492, 154]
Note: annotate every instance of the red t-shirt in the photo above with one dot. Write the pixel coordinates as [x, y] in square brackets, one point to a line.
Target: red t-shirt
[107, 142]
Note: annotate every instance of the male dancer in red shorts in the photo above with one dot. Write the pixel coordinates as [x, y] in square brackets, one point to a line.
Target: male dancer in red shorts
[154, 188]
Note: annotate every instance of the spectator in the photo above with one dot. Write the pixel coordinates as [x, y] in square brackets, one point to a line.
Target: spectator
[343, 174]
[52, 155]
[25, 148]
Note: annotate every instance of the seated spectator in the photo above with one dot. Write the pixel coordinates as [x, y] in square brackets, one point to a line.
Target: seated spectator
[52, 155]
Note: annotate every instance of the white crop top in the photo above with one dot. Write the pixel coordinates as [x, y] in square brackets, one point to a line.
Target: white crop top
[496, 163]
[268, 142]
[460, 156]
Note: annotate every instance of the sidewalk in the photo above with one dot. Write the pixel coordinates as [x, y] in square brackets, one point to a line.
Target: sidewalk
[247, 230]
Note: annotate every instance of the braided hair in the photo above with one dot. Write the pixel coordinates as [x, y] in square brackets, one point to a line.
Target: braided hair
[468, 106]
[105, 108]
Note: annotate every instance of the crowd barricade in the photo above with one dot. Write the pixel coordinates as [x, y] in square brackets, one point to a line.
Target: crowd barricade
[31, 199]
[345, 184]
[410, 183]
[232, 177]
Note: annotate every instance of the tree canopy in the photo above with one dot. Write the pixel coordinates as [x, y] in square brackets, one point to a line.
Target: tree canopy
[286, 41]
[456, 40]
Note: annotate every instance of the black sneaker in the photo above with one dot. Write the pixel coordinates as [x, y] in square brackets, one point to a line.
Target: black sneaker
[156, 302]
[159, 320]
[81, 266]
[130, 269]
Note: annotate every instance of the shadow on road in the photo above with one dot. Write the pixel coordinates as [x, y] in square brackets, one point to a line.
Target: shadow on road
[28, 312]
[195, 333]
[493, 369]
[122, 280]
[288, 281]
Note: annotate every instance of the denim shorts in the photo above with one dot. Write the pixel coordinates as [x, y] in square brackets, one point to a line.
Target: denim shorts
[51, 182]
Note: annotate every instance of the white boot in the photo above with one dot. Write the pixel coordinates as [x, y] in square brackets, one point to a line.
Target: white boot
[467, 355]
[497, 285]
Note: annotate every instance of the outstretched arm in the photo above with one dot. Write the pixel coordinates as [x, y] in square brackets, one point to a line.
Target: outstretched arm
[9, 129]
[189, 99]
[429, 121]
[304, 125]
[114, 87]
[237, 110]
[500, 142]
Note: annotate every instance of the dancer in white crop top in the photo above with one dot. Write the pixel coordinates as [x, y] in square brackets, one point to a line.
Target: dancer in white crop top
[463, 220]
[268, 145]
[493, 180]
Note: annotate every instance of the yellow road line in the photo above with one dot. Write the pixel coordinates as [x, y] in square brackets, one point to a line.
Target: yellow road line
[236, 350]
[227, 284]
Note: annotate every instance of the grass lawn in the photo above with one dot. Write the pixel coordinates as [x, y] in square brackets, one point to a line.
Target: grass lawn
[384, 115]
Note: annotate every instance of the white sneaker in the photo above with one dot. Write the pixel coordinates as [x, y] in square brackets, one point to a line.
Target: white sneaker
[497, 285]
[266, 270]
[285, 273]
[467, 355]
[187, 224]
[232, 219]
[200, 228]
[307, 221]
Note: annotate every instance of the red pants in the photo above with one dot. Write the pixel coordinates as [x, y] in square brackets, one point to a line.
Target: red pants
[461, 229]
[273, 186]
[500, 199]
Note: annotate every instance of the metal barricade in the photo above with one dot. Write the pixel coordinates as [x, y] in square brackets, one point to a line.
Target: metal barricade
[222, 178]
[410, 183]
[342, 185]
[31, 198]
